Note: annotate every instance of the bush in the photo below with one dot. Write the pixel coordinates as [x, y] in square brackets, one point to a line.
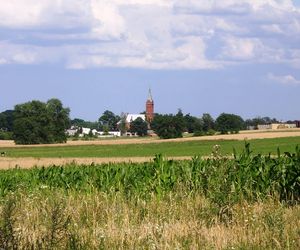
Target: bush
[211, 132]
[198, 133]
[6, 135]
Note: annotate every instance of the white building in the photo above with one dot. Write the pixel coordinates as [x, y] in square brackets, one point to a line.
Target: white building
[132, 117]
[275, 126]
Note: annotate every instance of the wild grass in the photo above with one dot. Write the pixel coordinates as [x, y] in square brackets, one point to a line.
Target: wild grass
[54, 220]
[187, 148]
[248, 202]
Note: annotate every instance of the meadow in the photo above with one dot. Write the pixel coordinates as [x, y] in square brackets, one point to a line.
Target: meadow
[179, 148]
[250, 201]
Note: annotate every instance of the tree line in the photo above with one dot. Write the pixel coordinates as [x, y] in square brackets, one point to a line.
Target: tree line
[37, 122]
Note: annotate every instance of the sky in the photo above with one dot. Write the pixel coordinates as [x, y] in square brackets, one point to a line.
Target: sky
[202, 56]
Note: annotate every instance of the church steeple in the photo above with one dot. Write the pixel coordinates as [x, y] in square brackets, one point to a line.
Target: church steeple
[149, 107]
[150, 96]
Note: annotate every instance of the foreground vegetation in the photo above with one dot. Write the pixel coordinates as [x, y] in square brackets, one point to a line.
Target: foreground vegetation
[248, 202]
[187, 148]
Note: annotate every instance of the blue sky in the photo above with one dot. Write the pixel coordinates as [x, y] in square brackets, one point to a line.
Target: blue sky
[234, 56]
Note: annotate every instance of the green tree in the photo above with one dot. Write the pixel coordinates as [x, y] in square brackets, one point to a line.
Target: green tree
[139, 126]
[229, 123]
[59, 120]
[36, 122]
[6, 120]
[110, 120]
[168, 126]
[193, 124]
[84, 124]
[208, 122]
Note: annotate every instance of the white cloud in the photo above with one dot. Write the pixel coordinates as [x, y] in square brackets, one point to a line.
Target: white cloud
[284, 79]
[189, 34]
[240, 48]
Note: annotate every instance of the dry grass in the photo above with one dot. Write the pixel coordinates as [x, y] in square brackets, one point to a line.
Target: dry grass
[175, 222]
[29, 162]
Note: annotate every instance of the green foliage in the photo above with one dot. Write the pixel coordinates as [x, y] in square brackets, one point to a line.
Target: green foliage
[59, 120]
[84, 124]
[193, 124]
[211, 132]
[208, 122]
[109, 120]
[226, 123]
[139, 126]
[167, 148]
[5, 135]
[37, 122]
[168, 126]
[220, 179]
[6, 120]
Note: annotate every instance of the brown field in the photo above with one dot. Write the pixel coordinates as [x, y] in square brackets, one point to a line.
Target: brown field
[29, 162]
[247, 134]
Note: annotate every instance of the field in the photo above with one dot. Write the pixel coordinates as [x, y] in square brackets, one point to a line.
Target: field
[140, 150]
[249, 200]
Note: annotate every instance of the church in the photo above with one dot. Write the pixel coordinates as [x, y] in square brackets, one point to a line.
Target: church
[148, 116]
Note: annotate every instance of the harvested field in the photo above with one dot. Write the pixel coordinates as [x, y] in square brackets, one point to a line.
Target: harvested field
[29, 162]
[249, 135]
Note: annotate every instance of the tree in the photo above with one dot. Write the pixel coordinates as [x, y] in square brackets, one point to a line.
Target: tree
[6, 120]
[139, 126]
[229, 123]
[208, 122]
[168, 126]
[85, 124]
[36, 122]
[122, 123]
[193, 124]
[59, 119]
[109, 120]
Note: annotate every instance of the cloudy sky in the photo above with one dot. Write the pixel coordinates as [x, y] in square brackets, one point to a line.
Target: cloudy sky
[234, 56]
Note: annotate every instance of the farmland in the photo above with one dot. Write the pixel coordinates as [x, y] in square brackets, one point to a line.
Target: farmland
[249, 200]
[165, 147]
[29, 156]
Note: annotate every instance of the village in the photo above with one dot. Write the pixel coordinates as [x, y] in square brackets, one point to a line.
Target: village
[123, 125]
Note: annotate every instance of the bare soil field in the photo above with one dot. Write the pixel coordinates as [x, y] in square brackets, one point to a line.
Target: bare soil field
[29, 162]
[249, 135]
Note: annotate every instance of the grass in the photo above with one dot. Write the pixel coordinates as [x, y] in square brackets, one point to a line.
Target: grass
[188, 148]
[104, 221]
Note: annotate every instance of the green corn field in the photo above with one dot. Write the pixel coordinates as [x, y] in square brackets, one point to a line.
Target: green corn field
[252, 199]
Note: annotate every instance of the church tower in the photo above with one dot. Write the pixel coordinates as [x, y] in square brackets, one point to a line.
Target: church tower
[149, 108]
